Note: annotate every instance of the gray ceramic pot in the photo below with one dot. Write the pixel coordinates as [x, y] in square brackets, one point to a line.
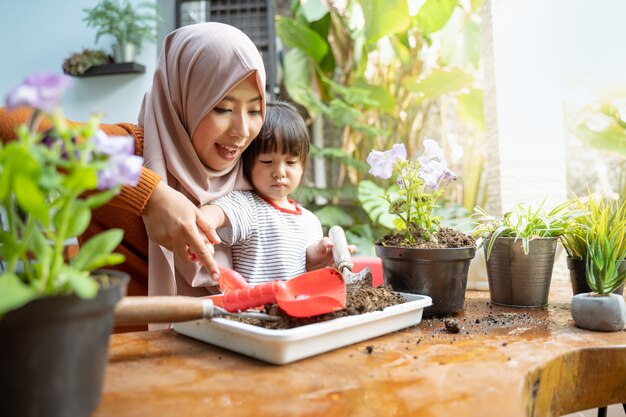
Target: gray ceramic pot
[601, 313]
[440, 274]
[517, 279]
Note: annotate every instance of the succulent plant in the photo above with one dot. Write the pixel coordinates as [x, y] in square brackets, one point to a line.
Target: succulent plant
[79, 62]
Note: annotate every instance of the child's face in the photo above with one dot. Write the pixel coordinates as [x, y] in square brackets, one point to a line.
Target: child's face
[276, 175]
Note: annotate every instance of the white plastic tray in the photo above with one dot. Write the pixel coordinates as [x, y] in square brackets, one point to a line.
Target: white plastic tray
[289, 345]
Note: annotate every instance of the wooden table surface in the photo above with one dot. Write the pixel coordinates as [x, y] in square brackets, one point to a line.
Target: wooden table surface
[503, 362]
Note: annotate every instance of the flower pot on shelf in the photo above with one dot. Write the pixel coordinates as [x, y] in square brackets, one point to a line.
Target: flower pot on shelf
[517, 279]
[54, 352]
[438, 273]
[578, 279]
[124, 52]
[605, 313]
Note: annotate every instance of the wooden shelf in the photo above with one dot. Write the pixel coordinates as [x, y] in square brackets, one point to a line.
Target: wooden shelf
[113, 69]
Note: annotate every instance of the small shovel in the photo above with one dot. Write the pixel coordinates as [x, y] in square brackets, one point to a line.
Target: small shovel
[170, 309]
[306, 295]
[343, 261]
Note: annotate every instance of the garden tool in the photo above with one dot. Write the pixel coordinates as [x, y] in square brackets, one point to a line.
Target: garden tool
[309, 294]
[170, 309]
[343, 261]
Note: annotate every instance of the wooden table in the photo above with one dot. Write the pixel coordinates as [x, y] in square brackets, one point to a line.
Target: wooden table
[504, 362]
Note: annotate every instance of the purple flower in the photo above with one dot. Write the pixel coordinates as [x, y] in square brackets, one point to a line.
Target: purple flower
[431, 151]
[40, 91]
[121, 169]
[123, 166]
[383, 163]
[436, 174]
[113, 145]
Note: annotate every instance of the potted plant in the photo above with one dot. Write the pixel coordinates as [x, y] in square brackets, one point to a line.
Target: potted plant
[420, 256]
[611, 215]
[519, 250]
[56, 314]
[130, 25]
[601, 309]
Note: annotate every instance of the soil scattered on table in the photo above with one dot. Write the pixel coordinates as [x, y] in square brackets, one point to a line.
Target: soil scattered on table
[360, 298]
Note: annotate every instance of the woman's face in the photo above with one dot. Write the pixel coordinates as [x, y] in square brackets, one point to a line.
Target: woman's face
[230, 126]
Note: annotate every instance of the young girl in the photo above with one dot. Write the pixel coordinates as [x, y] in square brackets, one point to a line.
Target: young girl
[270, 235]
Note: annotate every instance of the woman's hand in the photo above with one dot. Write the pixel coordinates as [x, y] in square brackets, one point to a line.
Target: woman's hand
[320, 254]
[175, 223]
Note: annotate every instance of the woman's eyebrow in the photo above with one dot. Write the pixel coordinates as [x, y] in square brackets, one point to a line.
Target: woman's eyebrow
[232, 99]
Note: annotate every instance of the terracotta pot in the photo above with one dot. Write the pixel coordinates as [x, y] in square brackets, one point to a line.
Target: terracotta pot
[577, 275]
[517, 279]
[600, 313]
[440, 274]
[54, 353]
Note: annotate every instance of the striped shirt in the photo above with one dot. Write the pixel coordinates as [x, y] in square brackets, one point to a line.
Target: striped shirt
[268, 242]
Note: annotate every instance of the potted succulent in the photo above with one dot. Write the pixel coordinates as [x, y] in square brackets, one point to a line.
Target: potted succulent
[131, 25]
[56, 314]
[611, 215]
[519, 250]
[420, 256]
[601, 309]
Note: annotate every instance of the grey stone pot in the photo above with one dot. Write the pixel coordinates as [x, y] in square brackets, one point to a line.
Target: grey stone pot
[600, 313]
[517, 279]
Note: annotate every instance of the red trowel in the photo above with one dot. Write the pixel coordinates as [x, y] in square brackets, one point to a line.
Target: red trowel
[309, 294]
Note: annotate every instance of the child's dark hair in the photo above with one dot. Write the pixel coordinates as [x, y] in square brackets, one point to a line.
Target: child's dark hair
[283, 131]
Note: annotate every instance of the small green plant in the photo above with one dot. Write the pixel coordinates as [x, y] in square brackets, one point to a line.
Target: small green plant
[610, 215]
[421, 183]
[126, 22]
[524, 223]
[49, 183]
[603, 261]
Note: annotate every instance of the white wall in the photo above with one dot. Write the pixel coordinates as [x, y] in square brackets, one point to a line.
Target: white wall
[37, 36]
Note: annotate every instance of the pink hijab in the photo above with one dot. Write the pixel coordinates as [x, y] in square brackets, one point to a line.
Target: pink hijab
[198, 66]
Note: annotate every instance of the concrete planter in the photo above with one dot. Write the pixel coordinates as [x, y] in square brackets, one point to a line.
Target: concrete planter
[604, 313]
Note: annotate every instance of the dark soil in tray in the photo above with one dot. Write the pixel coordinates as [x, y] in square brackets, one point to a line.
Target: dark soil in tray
[360, 298]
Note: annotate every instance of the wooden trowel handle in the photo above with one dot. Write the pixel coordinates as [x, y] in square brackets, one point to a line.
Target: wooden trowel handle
[341, 254]
[144, 310]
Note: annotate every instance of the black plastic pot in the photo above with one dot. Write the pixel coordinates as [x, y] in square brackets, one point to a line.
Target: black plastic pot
[54, 353]
[517, 279]
[440, 274]
[578, 278]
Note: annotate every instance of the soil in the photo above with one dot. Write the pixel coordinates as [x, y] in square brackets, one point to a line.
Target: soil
[446, 238]
[360, 298]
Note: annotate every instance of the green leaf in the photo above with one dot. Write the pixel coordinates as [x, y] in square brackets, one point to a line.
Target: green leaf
[81, 179]
[383, 99]
[98, 199]
[96, 250]
[81, 282]
[434, 14]
[78, 221]
[14, 293]
[440, 81]
[384, 17]
[297, 79]
[376, 207]
[612, 139]
[471, 107]
[331, 215]
[296, 34]
[31, 199]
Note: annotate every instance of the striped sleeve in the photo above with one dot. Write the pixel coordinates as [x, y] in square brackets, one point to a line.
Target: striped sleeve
[240, 209]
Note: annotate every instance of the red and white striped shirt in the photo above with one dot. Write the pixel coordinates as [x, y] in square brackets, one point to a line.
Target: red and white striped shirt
[268, 242]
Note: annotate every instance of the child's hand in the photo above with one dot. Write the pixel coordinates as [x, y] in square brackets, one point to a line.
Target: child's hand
[320, 254]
